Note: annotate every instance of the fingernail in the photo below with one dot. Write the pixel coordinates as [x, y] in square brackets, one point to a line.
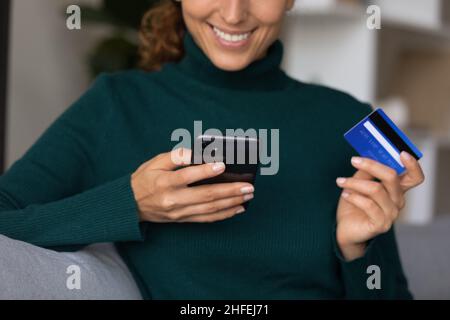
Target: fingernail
[341, 180]
[242, 209]
[248, 189]
[345, 194]
[406, 155]
[357, 160]
[218, 166]
[248, 197]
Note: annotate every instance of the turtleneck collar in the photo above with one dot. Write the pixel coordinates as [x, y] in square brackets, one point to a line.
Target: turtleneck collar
[262, 74]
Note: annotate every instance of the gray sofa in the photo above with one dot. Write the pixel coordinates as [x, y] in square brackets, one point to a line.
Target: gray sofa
[425, 254]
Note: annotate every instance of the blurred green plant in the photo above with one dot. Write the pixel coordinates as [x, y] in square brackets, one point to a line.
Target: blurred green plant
[118, 50]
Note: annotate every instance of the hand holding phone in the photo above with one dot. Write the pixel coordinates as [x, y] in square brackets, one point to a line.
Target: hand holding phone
[160, 188]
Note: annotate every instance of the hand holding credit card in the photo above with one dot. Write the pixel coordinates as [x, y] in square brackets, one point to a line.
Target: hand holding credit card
[378, 138]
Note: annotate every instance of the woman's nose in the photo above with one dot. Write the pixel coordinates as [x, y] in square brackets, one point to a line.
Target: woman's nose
[234, 11]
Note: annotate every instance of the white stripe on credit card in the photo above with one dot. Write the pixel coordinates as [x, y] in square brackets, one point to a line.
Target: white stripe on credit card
[386, 145]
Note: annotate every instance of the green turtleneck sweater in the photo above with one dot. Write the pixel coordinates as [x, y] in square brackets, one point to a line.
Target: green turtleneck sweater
[72, 187]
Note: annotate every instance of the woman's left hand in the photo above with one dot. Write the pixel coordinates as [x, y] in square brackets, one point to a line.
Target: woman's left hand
[368, 208]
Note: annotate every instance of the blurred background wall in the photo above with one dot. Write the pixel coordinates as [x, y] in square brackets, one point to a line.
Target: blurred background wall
[403, 67]
[47, 70]
[4, 40]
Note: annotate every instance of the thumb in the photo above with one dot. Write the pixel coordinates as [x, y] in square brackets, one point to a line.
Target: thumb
[171, 160]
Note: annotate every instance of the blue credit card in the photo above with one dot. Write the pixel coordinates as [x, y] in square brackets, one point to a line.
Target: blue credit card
[378, 138]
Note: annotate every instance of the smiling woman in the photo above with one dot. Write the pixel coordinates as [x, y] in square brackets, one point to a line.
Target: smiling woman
[103, 171]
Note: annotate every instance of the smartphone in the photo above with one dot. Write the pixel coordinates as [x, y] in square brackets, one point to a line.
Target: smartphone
[240, 155]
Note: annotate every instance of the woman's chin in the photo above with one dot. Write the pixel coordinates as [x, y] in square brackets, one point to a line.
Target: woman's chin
[230, 63]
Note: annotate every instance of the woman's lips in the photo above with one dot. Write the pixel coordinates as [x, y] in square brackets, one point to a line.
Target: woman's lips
[231, 40]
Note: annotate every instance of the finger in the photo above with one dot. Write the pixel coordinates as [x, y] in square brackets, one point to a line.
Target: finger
[414, 174]
[385, 174]
[195, 173]
[373, 190]
[209, 207]
[378, 221]
[208, 193]
[213, 217]
[181, 156]
[170, 160]
[359, 174]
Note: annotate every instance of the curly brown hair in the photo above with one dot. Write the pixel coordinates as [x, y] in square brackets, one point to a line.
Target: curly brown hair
[161, 35]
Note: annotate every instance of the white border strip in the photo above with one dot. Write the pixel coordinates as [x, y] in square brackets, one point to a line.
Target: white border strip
[386, 145]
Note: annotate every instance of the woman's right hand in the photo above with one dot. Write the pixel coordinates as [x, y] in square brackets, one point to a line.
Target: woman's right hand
[162, 194]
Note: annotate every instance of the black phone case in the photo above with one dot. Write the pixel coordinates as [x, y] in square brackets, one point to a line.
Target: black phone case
[234, 172]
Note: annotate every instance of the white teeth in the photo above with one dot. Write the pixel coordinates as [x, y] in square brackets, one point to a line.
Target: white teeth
[231, 37]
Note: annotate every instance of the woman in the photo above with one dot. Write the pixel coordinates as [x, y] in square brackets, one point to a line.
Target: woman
[301, 237]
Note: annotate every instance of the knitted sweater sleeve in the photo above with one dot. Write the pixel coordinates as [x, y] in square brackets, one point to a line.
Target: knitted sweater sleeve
[49, 196]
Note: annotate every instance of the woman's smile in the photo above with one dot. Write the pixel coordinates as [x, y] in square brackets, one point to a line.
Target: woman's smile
[231, 39]
[234, 33]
